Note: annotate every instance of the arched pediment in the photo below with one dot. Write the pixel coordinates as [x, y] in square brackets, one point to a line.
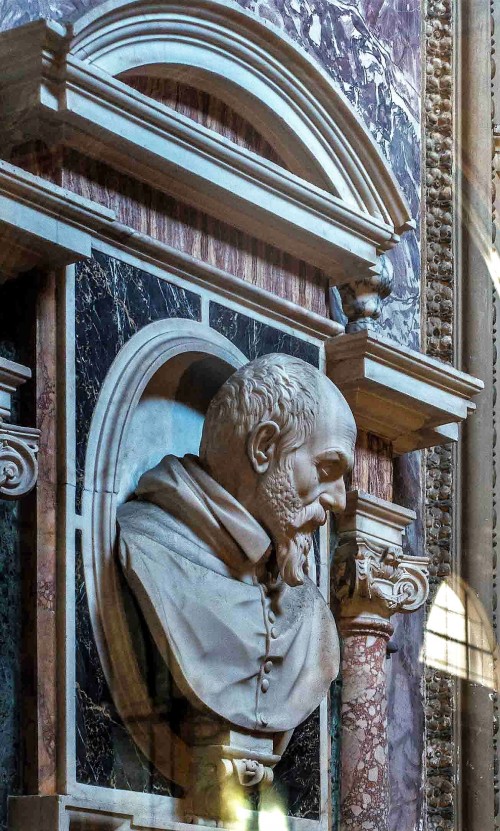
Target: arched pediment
[261, 73]
[332, 202]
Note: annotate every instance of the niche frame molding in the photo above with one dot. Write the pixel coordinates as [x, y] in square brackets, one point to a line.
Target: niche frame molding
[128, 377]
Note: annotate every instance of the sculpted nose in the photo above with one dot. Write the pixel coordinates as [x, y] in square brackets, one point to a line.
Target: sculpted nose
[334, 498]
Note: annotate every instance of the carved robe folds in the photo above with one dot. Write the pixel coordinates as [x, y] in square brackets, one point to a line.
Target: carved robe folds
[257, 653]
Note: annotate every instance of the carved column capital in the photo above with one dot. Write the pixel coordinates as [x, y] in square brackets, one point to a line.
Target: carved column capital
[372, 578]
[18, 445]
[18, 462]
[374, 581]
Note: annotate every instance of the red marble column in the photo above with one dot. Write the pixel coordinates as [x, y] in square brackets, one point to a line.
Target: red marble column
[365, 780]
[372, 580]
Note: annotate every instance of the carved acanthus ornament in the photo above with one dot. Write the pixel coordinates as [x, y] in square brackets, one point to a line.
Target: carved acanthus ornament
[372, 578]
[378, 580]
[18, 445]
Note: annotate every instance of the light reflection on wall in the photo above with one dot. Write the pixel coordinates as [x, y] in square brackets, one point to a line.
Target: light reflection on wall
[493, 262]
[459, 638]
[267, 819]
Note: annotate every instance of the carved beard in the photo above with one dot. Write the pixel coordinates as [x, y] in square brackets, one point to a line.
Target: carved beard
[286, 517]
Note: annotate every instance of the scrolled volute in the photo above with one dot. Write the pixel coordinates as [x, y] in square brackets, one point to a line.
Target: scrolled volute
[18, 460]
[377, 578]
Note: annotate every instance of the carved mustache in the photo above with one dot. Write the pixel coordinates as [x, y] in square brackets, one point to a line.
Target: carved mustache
[313, 514]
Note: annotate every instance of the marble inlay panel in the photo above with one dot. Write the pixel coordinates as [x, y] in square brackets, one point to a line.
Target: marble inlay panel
[10, 641]
[158, 215]
[254, 338]
[113, 301]
[297, 777]
[17, 595]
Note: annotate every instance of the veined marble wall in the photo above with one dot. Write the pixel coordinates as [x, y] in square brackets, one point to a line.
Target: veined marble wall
[16, 599]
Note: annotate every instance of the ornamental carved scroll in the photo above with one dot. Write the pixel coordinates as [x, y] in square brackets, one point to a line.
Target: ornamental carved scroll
[18, 460]
[375, 579]
[18, 445]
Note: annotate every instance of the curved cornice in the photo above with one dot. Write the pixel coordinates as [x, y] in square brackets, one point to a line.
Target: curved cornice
[216, 45]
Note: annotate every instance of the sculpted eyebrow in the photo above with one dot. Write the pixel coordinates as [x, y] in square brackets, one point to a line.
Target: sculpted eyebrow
[335, 456]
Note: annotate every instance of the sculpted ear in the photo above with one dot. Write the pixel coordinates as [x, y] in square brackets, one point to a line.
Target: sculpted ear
[262, 444]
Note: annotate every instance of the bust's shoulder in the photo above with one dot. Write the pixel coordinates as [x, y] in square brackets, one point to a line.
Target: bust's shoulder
[145, 519]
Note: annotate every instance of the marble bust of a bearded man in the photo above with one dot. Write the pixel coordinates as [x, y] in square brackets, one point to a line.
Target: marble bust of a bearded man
[216, 548]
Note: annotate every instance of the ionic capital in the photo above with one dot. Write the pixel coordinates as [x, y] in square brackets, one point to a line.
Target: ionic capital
[372, 577]
[18, 462]
[18, 445]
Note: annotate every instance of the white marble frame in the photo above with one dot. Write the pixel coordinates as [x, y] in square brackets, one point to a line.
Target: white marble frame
[145, 810]
[135, 365]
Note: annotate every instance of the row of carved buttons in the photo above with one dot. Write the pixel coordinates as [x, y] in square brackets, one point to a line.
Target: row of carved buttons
[264, 685]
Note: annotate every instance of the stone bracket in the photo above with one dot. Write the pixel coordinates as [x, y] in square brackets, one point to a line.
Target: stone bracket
[399, 394]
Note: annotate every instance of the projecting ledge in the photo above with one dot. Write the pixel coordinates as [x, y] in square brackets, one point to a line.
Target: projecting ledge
[399, 394]
[43, 225]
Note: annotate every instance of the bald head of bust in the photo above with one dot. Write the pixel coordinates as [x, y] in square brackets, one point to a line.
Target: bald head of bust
[280, 436]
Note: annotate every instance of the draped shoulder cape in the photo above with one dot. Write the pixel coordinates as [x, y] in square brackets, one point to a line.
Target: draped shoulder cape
[262, 656]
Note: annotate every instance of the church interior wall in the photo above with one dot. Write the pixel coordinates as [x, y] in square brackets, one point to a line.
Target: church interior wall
[373, 51]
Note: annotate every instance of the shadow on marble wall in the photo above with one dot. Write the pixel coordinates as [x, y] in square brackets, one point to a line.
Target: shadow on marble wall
[16, 321]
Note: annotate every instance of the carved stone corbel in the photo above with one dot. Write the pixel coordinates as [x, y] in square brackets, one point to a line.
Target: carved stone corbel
[362, 299]
[18, 445]
[227, 769]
